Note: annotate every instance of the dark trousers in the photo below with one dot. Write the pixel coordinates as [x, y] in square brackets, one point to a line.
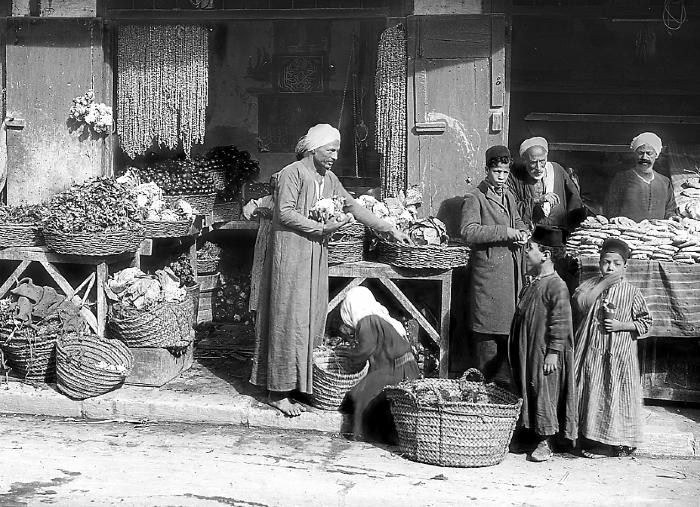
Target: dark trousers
[490, 352]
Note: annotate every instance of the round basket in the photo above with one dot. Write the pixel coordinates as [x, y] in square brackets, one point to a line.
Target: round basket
[193, 292]
[227, 211]
[333, 377]
[218, 175]
[350, 250]
[20, 235]
[168, 324]
[203, 203]
[163, 229]
[355, 230]
[93, 243]
[453, 433]
[422, 256]
[79, 373]
[31, 356]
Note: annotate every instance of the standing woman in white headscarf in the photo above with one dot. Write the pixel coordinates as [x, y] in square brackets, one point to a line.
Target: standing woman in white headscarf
[381, 340]
[293, 294]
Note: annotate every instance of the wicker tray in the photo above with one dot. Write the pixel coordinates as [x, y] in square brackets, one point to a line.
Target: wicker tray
[168, 324]
[333, 377]
[204, 203]
[20, 235]
[422, 256]
[93, 243]
[351, 250]
[32, 357]
[453, 433]
[208, 265]
[77, 372]
[163, 229]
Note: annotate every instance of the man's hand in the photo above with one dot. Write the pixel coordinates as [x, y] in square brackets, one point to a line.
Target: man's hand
[263, 213]
[400, 237]
[613, 326]
[333, 226]
[551, 198]
[551, 363]
[516, 235]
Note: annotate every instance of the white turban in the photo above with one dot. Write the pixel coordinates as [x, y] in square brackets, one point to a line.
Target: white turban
[317, 136]
[533, 141]
[648, 138]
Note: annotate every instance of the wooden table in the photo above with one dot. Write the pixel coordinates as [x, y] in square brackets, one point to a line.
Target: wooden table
[358, 272]
[41, 255]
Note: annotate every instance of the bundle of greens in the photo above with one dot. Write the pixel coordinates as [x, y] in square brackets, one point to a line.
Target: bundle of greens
[23, 214]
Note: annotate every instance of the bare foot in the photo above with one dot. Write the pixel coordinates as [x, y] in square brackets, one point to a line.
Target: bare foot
[282, 403]
[302, 406]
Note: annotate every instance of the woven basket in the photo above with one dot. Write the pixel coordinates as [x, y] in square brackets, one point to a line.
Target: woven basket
[219, 178]
[333, 377]
[422, 256]
[93, 243]
[32, 357]
[351, 250]
[77, 358]
[203, 203]
[168, 324]
[356, 230]
[208, 265]
[20, 235]
[163, 229]
[193, 292]
[453, 433]
[227, 211]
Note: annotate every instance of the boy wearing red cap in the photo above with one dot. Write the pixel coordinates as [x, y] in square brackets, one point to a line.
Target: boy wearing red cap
[541, 346]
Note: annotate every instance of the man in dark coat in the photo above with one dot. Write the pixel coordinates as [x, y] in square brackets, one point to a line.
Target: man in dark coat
[544, 191]
[492, 228]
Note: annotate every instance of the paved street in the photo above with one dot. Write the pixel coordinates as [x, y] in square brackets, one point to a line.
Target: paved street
[64, 462]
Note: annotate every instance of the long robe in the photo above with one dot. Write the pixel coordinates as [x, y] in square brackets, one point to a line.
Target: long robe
[542, 322]
[293, 297]
[629, 196]
[607, 367]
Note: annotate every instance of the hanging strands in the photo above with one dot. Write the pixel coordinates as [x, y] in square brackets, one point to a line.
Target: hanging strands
[162, 86]
[390, 85]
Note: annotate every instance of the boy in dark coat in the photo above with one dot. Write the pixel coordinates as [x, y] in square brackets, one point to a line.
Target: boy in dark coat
[541, 347]
[492, 228]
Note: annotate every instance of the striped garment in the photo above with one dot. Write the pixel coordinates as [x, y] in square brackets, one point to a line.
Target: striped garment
[607, 368]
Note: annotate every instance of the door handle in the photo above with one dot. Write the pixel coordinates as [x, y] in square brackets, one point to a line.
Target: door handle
[15, 123]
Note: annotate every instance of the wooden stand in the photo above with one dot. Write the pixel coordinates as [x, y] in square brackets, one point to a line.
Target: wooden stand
[101, 264]
[385, 274]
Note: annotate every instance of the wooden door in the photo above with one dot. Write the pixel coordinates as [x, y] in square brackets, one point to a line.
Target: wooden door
[49, 62]
[458, 105]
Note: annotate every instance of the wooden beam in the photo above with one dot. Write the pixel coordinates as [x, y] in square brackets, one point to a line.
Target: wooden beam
[596, 88]
[12, 279]
[179, 16]
[68, 290]
[410, 308]
[237, 225]
[40, 253]
[355, 282]
[653, 119]
[607, 148]
[101, 310]
[377, 269]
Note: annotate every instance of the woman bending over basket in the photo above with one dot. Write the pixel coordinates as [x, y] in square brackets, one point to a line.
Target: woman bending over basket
[382, 340]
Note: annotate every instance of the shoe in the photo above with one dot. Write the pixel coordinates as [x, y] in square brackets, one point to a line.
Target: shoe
[542, 452]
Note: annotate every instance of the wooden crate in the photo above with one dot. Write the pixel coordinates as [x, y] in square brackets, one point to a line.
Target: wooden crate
[209, 282]
[205, 312]
[155, 367]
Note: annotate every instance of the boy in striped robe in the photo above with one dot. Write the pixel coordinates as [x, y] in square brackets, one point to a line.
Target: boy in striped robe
[611, 315]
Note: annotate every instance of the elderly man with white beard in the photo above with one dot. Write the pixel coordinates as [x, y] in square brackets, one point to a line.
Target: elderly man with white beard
[544, 191]
[642, 193]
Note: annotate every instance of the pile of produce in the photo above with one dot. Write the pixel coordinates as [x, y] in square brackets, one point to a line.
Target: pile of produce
[97, 205]
[131, 289]
[23, 214]
[209, 252]
[237, 165]
[231, 303]
[175, 177]
[182, 268]
[450, 391]
[149, 198]
[675, 240]
[329, 209]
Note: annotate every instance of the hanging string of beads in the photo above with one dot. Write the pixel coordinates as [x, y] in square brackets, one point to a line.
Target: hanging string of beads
[391, 131]
[162, 86]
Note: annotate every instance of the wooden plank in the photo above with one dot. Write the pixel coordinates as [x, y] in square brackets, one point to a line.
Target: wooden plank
[101, 309]
[12, 279]
[498, 61]
[155, 15]
[606, 148]
[68, 290]
[654, 119]
[341, 295]
[454, 7]
[450, 37]
[597, 88]
[39, 254]
[237, 225]
[671, 394]
[445, 304]
[410, 308]
[369, 269]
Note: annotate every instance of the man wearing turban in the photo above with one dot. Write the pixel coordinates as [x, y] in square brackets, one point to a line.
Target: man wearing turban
[641, 193]
[293, 293]
[544, 191]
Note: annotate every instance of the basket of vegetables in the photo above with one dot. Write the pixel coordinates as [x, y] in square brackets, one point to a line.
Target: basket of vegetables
[87, 365]
[97, 217]
[20, 226]
[457, 423]
[345, 245]
[161, 220]
[182, 268]
[182, 180]
[208, 258]
[230, 167]
[334, 374]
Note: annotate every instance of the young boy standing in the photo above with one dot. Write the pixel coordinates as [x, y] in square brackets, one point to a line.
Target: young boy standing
[541, 346]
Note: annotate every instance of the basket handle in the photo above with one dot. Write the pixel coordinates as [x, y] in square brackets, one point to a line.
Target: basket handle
[473, 375]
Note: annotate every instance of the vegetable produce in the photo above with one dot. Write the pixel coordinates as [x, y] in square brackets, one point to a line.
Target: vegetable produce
[329, 209]
[182, 268]
[237, 165]
[177, 177]
[232, 298]
[23, 214]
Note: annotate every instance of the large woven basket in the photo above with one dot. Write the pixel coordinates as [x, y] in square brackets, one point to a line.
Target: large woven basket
[20, 235]
[163, 229]
[422, 256]
[333, 377]
[168, 324]
[208, 265]
[79, 373]
[227, 211]
[453, 433]
[349, 250]
[193, 292]
[218, 175]
[30, 355]
[93, 243]
[203, 203]
[355, 230]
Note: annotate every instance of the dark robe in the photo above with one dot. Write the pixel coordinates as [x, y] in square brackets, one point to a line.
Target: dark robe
[378, 342]
[568, 213]
[629, 196]
[542, 322]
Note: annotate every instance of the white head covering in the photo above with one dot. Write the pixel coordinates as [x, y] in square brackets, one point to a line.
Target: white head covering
[533, 141]
[648, 138]
[359, 302]
[317, 136]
